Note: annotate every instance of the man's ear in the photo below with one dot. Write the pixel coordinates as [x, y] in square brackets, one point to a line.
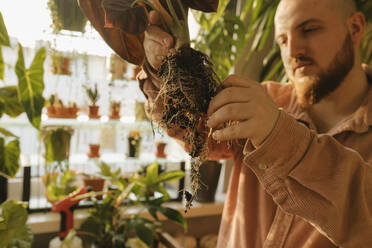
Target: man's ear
[357, 26]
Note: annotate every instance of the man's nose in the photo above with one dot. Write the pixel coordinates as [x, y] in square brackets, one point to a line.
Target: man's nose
[296, 47]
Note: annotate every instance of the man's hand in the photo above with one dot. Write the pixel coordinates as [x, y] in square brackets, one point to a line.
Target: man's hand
[245, 101]
[157, 42]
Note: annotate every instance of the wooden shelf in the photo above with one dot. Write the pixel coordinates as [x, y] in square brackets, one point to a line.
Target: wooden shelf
[50, 222]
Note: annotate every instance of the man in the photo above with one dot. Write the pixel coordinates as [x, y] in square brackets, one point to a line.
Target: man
[303, 173]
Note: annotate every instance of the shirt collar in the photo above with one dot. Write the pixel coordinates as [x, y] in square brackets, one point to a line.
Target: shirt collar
[358, 122]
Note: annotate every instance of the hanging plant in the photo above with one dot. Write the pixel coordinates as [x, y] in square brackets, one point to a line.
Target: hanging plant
[66, 14]
[189, 79]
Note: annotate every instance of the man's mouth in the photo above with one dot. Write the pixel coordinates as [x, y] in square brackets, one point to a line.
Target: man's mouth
[302, 66]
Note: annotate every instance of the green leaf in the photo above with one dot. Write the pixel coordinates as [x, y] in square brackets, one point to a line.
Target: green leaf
[136, 243]
[144, 233]
[4, 37]
[152, 172]
[174, 215]
[10, 102]
[170, 176]
[6, 133]
[162, 190]
[31, 85]
[23, 238]
[2, 65]
[13, 230]
[9, 159]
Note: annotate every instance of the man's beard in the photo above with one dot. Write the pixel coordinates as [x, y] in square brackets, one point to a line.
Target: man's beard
[330, 79]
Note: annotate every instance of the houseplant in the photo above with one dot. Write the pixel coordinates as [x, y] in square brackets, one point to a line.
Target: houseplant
[60, 63]
[134, 143]
[95, 182]
[107, 226]
[94, 151]
[56, 108]
[93, 96]
[118, 67]
[115, 110]
[66, 14]
[14, 100]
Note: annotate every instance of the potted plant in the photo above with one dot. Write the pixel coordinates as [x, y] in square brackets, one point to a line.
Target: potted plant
[118, 67]
[57, 143]
[59, 184]
[56, 108]
[110, 225]
[93, 95]
[94, 151]
[14, 231]
[160, 149]
[66, 14]
[95, 182]
[115, 110]
[209, 174]
[134, 143]
[60, 63]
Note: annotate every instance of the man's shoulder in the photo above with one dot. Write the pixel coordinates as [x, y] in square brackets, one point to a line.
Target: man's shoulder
[281, 93]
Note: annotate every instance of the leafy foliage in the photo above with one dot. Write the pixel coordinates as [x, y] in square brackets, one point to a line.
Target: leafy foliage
[57, 143]
[13, 229]
[31, 85]
[13, 101]
[66, 14]
[106, 227]
[59, 185]
[256, 21]
[92, 94]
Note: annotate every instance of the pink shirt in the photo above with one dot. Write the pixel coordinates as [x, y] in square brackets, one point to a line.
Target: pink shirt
[299, 189]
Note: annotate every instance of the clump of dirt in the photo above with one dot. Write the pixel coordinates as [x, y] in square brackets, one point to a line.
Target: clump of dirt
[189, 85]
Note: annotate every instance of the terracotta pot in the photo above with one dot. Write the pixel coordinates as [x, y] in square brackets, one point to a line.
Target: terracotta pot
[94, 151]
[160, 147]
[96, 184]
[62, 112]
[115, 113]
[209, 175]
[93, 112]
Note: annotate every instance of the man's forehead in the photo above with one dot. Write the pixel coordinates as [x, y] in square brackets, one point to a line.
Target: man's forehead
[291, 13]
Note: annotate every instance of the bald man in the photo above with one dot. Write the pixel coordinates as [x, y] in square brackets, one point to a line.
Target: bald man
[302, 150]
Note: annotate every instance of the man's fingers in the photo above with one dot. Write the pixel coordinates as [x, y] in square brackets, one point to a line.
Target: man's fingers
[234, 131]
[230, 112]
[157, 44]
[157, 34]
[154, 18]
[228, 95]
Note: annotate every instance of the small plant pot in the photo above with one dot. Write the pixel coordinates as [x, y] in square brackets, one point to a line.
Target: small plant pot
[115, 114]
[94, 151]
[134, 145]
[93, 112]
[160, 150]
[62, 112]
[96, 184]
[209, 175]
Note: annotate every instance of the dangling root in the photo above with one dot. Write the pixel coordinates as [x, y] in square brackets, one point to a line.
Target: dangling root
[189, 85]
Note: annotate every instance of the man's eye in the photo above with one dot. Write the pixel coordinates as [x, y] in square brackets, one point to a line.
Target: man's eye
[308, 30]
[282, 41]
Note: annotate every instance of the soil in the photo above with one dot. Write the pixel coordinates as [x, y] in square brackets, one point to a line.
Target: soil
[189, 85]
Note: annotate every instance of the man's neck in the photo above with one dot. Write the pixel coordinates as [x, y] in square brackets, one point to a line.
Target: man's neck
[341, 103]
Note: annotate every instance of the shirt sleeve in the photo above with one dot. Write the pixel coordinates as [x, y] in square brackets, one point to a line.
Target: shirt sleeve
[317, 178]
